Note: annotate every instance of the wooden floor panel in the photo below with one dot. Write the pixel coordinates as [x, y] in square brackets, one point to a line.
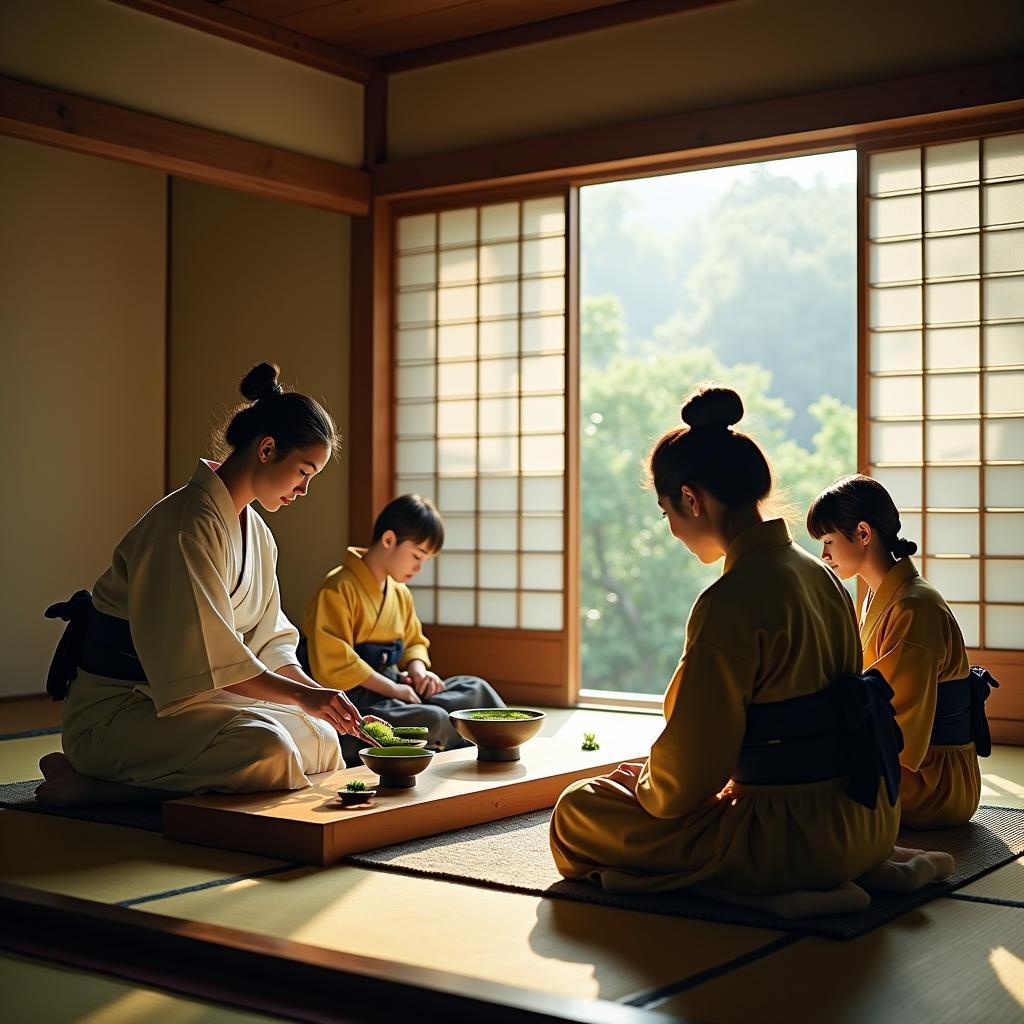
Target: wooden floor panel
[47, 994]
[950, 961]
[555, 946]
[105, 862]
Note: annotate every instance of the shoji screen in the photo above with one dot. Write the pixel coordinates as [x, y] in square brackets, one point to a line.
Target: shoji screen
[480, 406]
[945, 361]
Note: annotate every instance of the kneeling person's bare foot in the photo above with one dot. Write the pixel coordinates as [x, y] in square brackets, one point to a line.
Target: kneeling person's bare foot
[905, 870]
[64, 787]
[55, 764]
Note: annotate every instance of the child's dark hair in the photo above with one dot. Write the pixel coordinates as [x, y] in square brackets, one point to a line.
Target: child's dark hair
[706, 453]
[411, 518]
[858, 499]
[291, 419]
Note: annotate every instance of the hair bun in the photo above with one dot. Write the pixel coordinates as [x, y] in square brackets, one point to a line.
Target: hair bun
[712, 407]
[261, 382]
[902, 548]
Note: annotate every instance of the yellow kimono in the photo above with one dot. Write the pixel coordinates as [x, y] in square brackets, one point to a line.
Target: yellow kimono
[204, 608]
[349, 608]
[776, 625]
[911, 637]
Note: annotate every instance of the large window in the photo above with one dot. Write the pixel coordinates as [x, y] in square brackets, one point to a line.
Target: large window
[743, 275]
[946, 369]
[871, 319]
[480, 406]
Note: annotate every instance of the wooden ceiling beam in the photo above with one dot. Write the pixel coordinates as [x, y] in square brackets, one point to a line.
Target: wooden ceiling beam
[73, 122]
[832, 118]
[261, 35]
[540, 31]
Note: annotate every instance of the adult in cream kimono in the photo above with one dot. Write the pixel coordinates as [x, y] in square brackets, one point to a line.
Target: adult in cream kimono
[210, 695]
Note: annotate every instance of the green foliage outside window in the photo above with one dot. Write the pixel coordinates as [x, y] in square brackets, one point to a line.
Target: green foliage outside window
[765, 302]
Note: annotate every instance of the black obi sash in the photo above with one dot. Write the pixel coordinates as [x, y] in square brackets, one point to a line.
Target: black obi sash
[960, 712]
[99, 643]
[382, 658]
[849, 728]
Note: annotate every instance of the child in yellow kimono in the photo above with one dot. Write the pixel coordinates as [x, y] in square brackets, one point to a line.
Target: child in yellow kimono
[748, 793]
[179, 673]
[363, 636]
[909, 634]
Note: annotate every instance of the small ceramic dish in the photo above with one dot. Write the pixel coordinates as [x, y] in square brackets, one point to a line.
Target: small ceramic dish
[362, 796]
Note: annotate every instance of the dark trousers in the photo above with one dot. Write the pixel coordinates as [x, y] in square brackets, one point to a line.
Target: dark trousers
[459, 693]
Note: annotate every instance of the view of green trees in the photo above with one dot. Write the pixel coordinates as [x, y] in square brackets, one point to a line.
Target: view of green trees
[755, 289]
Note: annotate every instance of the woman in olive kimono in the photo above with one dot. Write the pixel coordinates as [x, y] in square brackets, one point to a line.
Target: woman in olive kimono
[179, 674]
[774, 782]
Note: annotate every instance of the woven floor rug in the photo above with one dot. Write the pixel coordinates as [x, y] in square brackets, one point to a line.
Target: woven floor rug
[20, 796]
[513, 855]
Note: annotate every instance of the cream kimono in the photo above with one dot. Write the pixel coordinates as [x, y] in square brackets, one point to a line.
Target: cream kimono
[204, 608]
[911, 637]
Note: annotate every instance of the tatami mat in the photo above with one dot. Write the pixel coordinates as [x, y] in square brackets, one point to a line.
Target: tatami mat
[1002, 777]
[19, 759]
[107, 863]
[1005, 884]
[29, 713]
[41, 993]
[546, 945]
[950, 961]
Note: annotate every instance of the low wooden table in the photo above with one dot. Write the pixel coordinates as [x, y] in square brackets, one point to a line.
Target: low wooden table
[311, 827]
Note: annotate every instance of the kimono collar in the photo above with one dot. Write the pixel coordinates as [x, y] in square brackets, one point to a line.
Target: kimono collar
[355, 565]
[206, 477]
[772, 533]
[902, 572]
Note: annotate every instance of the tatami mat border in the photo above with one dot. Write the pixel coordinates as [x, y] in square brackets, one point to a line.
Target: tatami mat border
[215, 883]
[994, 900]
[648, 997]
[28, 734]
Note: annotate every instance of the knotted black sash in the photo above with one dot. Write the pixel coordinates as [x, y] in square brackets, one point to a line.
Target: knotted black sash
[960, 712]
[99, 643]
[382, 658]
[849, 728]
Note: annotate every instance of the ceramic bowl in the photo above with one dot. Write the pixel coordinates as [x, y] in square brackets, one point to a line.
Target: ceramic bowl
[396, 766]
[349, 799]
[497, 740]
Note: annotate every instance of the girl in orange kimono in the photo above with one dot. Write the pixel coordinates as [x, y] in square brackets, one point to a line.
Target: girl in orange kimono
[909, 634]
[749, 793]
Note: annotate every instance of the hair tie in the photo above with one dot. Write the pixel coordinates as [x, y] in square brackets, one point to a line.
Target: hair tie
[273, 391]
[707, 428]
